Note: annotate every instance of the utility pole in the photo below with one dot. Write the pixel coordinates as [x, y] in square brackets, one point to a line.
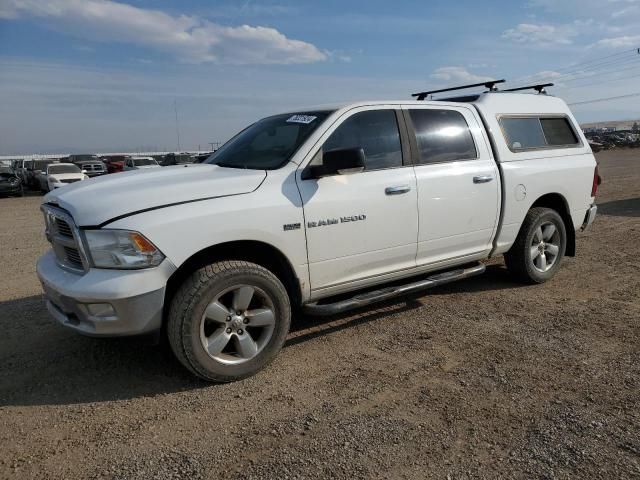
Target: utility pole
[175, 109]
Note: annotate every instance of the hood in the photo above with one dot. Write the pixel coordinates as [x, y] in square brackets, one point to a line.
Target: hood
[66, 176]
[98, 200]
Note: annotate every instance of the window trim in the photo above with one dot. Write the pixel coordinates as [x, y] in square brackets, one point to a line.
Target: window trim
[413, 139]
[539, 116]
[405, 149]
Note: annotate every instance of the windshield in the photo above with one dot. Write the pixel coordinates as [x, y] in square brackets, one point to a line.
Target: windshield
[55, 169]
[85, 158]
[6, 171]
[144, 162]
[41, 164]
[269, 143]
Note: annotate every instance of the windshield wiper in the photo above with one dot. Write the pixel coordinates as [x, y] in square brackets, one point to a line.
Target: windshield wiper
[230, 165]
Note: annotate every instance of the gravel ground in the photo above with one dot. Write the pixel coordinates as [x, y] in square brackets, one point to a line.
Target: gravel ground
[483, 378]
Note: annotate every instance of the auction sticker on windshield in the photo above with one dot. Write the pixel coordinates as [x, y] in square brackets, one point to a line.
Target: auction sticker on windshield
[306, 119]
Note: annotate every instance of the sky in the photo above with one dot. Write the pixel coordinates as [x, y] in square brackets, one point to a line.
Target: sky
[107, 76]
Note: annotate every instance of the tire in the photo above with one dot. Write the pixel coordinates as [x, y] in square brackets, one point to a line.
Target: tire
[537, 253]
[207, 334]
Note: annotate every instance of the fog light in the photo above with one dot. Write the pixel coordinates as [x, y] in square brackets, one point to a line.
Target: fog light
[100, 310]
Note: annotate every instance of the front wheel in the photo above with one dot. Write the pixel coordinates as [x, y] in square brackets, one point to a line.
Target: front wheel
[228, 320]
[539, 248]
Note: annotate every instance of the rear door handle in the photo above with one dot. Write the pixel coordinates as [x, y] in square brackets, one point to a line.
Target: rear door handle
[482, 179]
[398, 190]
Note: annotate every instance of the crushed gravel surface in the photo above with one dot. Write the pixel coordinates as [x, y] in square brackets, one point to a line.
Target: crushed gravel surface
[483, 378]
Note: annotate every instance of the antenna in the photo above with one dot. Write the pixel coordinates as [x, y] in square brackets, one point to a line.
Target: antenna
[491, 85]
[175, 109]
[540, 88]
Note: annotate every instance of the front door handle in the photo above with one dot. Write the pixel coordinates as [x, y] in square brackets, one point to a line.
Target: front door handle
[398, 190]
[482, 179]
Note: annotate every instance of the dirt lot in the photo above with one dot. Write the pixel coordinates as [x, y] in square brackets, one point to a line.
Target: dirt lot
[484, 378]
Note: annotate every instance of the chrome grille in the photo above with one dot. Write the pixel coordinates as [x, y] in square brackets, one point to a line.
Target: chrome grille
[73, 257]
[64, 238]
[93, 167]
[63, 228]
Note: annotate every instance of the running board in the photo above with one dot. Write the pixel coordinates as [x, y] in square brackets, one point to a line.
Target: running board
[375, 296]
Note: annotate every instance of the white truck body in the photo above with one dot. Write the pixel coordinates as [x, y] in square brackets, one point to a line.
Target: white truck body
[336, 233]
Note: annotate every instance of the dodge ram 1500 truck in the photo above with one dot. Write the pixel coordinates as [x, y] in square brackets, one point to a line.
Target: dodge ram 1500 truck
[317, 209]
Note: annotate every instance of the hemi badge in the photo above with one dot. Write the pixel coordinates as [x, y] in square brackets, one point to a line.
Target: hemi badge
[291, 226]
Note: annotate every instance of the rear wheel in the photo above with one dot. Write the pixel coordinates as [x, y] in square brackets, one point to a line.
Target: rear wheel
[228, 320]
[539, 248]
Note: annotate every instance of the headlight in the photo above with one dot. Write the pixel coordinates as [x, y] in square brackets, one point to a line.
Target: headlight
[121, 249]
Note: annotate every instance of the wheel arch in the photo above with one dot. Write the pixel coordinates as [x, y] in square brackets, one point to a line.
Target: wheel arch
[558, 202]
[257, 252]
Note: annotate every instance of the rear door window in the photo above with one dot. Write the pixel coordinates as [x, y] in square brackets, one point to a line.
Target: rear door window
[442, 136]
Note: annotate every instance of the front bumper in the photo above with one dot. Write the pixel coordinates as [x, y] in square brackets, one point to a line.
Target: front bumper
[589, 217]
[9, 189]
[81, 302]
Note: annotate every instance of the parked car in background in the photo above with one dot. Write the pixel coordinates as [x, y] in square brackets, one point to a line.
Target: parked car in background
[91, 164]
[35, 168]
[60, 174]
[114, 163]
[18, 167]
[22, 170]
[201, 157]
[10, 183]
[140, 163]
[176, 159]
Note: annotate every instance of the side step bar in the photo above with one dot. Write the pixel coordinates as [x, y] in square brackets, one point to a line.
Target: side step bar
[375, 296]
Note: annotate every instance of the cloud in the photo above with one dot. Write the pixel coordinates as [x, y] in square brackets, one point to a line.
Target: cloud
[458, 74]
[189, 38]
[541, 34]
[624, 11]
[625, 41]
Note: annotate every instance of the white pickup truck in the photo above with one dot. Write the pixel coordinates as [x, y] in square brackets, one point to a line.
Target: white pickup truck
[317, 209]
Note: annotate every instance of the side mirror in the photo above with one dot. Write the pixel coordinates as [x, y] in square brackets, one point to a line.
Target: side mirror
[340, 161]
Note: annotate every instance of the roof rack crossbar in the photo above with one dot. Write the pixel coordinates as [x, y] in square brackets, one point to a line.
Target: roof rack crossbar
[491, 85]
[540, 88]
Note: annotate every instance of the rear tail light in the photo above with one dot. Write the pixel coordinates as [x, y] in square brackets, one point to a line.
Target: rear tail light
[597, 180]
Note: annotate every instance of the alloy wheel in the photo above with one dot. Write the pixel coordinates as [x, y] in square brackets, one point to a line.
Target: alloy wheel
[545, 247]
[237, 324]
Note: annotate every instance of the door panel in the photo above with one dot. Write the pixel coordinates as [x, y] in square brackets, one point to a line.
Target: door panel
[458, 185]
[457, 216]
[362, 224]
[360, 231]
